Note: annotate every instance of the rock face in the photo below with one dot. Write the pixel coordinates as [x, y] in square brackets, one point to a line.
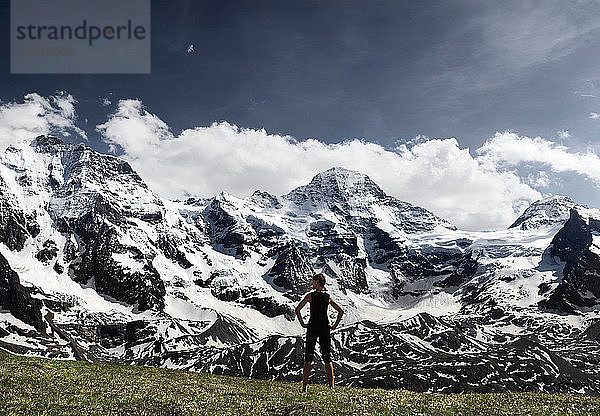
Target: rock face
[95, 266]
[140, 284]
[441, 268]
[15, 227]
[18, 299]
[232, 233]
[292, 270]
[578, 245]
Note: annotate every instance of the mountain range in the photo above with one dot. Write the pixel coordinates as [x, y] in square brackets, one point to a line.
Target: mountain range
[96, 266]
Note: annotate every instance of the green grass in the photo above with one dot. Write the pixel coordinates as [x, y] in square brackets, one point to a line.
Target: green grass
[33, 386]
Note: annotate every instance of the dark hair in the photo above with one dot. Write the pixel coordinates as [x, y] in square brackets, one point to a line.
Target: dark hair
[320, 277]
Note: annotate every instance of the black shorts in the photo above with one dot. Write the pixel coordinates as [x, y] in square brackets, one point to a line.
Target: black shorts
[324, 335]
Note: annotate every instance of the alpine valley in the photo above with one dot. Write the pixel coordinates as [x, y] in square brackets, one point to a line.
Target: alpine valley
[95, 266]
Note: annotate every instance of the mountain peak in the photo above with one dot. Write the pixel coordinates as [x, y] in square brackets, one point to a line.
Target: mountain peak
[548, 211]
[353, 194]
[337, 184]
[68, 179]
[342, 177]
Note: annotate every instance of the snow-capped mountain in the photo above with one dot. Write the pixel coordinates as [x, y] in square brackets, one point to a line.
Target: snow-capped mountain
[96, 266]
[549, 211]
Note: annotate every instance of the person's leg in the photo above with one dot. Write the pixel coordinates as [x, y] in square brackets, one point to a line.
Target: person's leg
[309, 351]
[305, 374]
[325, 345]
[329, 372]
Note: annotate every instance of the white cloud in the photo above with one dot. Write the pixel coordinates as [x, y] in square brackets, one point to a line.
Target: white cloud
[563, 134]
[436, 174]
[37, 115]
[509, 149]
[138, 132]
[539, 180]
[594, 116]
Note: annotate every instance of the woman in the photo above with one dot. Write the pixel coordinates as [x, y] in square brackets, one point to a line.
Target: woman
[318, 327]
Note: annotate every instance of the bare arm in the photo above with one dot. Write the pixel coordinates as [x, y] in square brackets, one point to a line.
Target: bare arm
[299, 308]
[339, 311]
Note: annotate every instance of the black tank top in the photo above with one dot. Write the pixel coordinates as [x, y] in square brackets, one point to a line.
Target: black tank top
[319, 301]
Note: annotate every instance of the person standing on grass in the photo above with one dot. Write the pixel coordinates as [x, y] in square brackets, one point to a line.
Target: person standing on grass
[318, 327]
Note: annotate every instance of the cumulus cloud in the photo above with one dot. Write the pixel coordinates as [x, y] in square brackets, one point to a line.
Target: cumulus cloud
[37, 115]
[510, 149]
[563, 134]
[436, 174]
[594, 116]
[135, 130]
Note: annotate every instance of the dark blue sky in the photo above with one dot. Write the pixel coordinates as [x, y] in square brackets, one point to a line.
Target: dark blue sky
[352, 69]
